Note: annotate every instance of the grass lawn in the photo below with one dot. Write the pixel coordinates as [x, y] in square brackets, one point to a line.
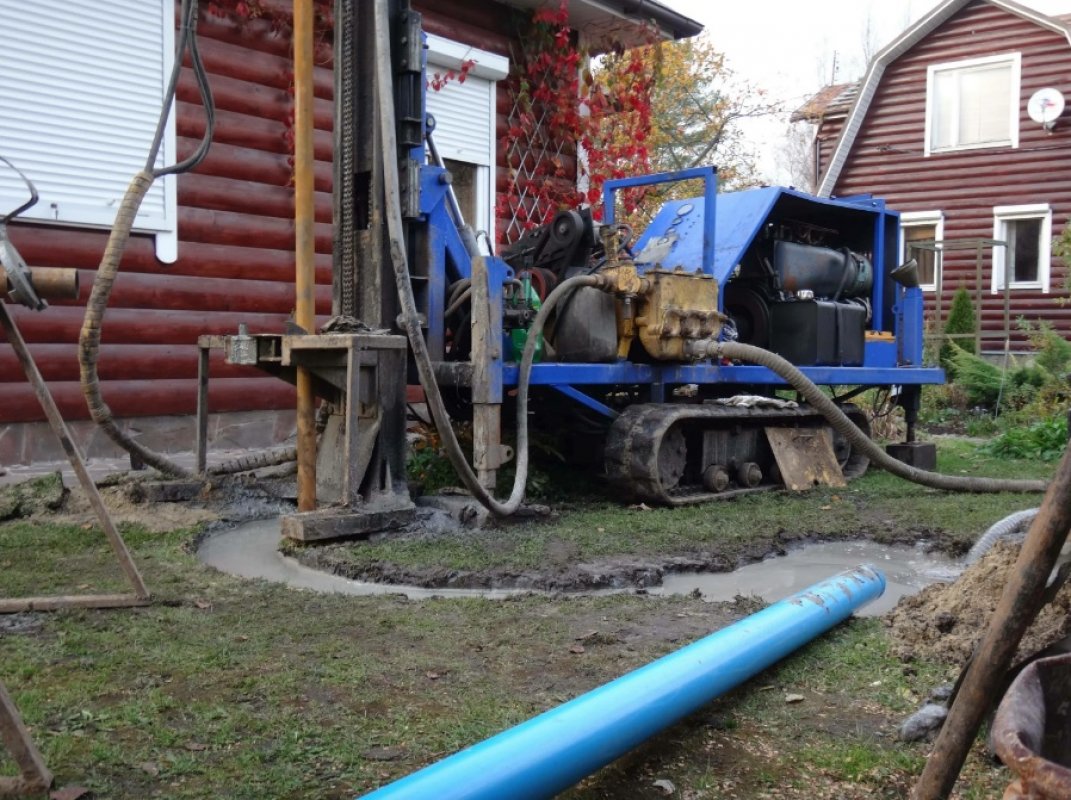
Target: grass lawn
[232, 688]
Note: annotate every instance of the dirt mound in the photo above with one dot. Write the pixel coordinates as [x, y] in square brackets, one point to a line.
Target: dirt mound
[944, 622]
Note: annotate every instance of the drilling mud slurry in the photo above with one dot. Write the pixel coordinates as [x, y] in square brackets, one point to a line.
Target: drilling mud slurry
[251, 550]
[906, 569]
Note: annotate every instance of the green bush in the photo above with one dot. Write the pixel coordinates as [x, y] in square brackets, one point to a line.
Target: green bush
[1053, 351]
[1042, 441]
[980, 380]
[961, 320]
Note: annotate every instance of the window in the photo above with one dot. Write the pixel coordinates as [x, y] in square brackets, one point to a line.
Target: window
[920, 235]
[79, 101]
[1025, 260]
[973, 103]
[465, 124]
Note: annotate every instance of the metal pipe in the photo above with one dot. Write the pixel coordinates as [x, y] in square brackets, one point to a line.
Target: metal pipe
[50, 283]
[1019, 604]
[549, 753]
[305, 244]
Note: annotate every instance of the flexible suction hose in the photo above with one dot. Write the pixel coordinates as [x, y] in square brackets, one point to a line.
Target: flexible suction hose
[411, 317]
[819, 401]
[108, 270]
[1009, 526]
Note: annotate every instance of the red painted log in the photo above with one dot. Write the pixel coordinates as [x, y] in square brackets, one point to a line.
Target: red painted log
[81, 249]
[244, 230]
[148, 398]
[159, 292]
[218, 194]
[257, 166]
[142, 326]
[59, 362]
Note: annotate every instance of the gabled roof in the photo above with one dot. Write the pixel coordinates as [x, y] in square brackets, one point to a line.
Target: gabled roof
[908, 39]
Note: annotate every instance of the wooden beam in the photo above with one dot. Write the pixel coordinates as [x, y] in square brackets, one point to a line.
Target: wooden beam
[35, 777]
[19, 605]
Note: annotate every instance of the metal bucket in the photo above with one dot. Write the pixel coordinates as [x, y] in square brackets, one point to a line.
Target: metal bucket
[1032, 731]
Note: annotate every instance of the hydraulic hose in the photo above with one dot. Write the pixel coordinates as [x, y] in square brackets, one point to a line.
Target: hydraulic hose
[108, 270]
[411, 318]
[818, 400]
[1009, 526]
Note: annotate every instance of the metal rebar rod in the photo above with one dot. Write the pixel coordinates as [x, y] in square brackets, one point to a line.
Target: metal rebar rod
[305, 244]
[1019, 604]
[59, 427]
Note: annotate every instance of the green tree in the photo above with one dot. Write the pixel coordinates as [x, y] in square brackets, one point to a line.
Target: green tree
[961, 320]
[696, 104]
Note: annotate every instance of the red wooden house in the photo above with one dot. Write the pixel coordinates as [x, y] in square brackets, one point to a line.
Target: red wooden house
[213, 248]
[939, 127]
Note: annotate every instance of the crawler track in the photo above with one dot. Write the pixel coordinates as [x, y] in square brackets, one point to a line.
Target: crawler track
[657, 453]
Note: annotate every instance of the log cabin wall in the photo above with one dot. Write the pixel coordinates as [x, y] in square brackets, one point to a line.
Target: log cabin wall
[235, 254]
[887, 158]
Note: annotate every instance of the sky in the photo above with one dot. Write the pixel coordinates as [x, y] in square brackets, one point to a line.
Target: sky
[792, 48]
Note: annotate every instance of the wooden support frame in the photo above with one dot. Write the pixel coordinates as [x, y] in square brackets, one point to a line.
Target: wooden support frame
[140, 595]
[36, 777]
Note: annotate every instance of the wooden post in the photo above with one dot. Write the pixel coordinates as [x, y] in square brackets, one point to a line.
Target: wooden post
[1018, 606]
[35, 777]
[305, 244]
[59, 427]
[201, 445]
[486, 413]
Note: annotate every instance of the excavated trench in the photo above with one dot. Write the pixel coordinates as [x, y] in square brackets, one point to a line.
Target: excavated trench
[251, 550]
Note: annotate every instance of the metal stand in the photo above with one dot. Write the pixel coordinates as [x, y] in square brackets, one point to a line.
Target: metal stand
[141, 595]
[35, 777]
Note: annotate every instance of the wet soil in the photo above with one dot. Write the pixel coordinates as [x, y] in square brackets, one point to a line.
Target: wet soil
[943, 623]
[565, 575]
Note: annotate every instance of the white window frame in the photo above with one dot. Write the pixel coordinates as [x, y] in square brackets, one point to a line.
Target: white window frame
[1003, 214]
[910, 219]
[102, 215]
[1015, 60]
[447, 54]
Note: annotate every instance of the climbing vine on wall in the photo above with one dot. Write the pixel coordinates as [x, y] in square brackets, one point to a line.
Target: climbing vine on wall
[567, 131]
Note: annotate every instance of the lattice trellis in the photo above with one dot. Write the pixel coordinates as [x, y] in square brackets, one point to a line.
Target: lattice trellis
[534, 155]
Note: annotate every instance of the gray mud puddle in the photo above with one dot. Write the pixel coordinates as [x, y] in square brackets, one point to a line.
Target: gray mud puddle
[251, 550]
[906, 569]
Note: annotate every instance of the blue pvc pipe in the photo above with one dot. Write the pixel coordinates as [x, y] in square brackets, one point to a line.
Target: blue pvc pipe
[549, 753]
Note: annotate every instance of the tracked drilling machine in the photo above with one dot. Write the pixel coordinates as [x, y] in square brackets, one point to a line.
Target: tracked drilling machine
[640, 346]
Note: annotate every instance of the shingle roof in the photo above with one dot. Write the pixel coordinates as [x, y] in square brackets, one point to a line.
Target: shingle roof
[831, 101]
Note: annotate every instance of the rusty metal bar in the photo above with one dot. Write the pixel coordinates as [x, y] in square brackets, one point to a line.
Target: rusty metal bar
[305, 244]
[59, 427]
[51, 283]
[1019, 604]
[35, 777]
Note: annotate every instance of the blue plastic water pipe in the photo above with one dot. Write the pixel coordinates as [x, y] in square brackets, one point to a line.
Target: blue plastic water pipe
[549, 753]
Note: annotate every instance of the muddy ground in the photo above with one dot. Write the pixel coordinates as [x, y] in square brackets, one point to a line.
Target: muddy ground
[229, 687]
[943, 623]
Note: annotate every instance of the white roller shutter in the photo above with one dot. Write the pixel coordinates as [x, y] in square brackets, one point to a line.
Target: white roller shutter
[464, 119]
[81, 84]
[465, 114]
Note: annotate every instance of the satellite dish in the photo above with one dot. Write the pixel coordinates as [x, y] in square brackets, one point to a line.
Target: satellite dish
[1045, 106]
